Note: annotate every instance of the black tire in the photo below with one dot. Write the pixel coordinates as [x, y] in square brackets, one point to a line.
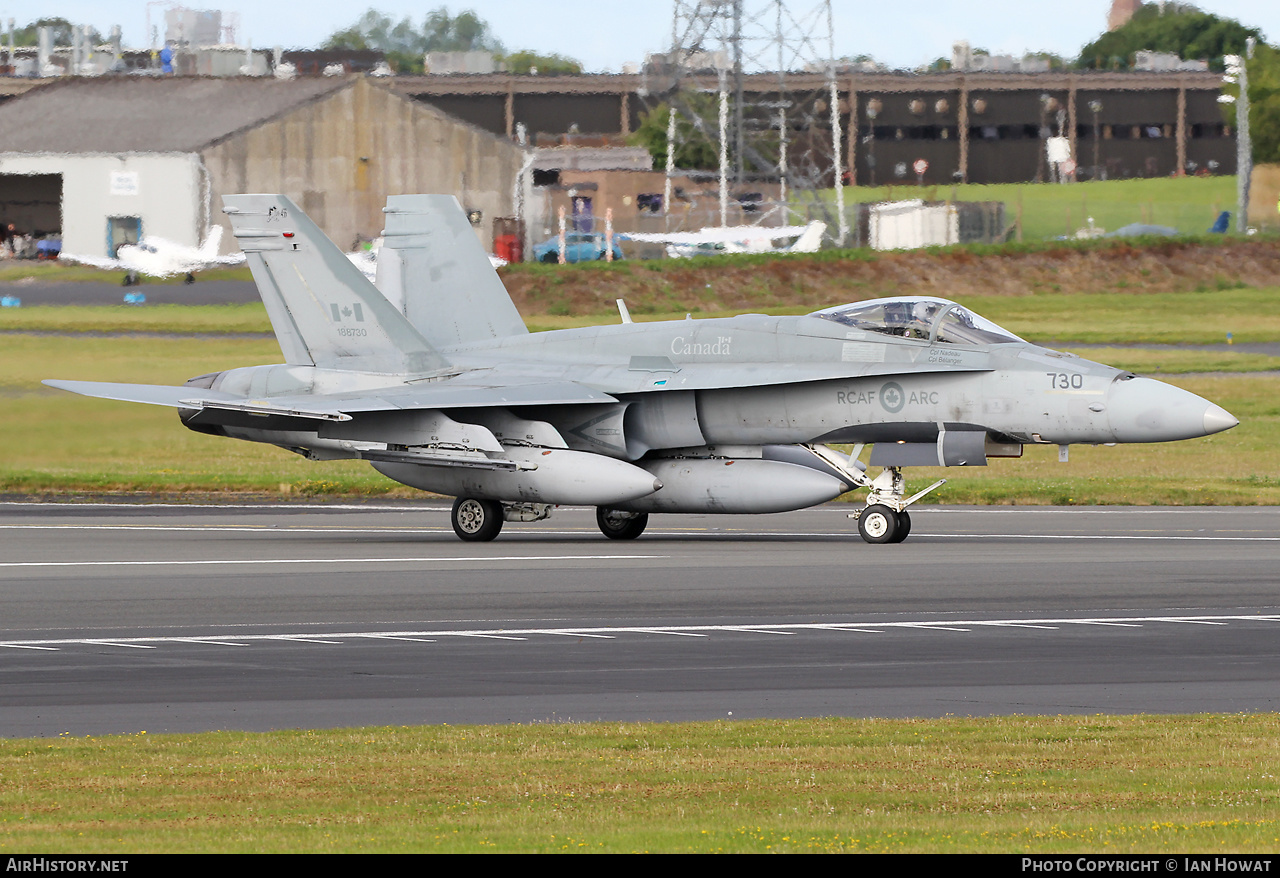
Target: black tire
[549, 258]
[476, 521]
[189, 279]
[620, 525]
[878, 524]
[904, 527]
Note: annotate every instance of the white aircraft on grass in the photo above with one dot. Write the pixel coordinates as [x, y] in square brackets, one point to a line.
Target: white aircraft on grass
[715, 240]
[366, 259]
[159, 257]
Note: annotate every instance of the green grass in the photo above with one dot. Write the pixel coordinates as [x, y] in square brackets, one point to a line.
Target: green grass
[1189, 204]
[1188, 318]
[1049, 785]
[59, 441]
[1171, 361]
[1205, 317]
[1249, 314]
[177, 319]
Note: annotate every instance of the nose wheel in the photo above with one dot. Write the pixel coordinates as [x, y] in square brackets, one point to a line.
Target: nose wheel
[880, 524]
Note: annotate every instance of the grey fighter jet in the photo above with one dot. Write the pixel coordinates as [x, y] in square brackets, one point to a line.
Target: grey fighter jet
[433, 377]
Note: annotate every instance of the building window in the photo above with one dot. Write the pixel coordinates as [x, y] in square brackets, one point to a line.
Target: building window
[649, 203]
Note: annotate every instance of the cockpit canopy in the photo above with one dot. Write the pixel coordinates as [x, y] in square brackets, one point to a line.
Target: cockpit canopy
[921, 317]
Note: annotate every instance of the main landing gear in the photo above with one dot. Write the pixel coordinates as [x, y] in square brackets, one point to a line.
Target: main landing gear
[619, 525]
[476, 521]
[885, 519]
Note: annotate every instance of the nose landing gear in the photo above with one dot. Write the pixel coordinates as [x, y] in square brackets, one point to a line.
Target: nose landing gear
[885, 519]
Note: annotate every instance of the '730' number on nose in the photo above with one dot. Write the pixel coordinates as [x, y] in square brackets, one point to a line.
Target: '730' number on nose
[1065, 381]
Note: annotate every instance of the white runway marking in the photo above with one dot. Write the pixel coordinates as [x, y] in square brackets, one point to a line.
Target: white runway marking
[339, 638]
[688, 533]
[185, 562]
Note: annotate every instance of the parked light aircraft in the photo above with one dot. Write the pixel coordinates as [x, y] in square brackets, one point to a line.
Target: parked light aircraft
[366, 259]
[159, 257]
[715, 240]
[447, 391]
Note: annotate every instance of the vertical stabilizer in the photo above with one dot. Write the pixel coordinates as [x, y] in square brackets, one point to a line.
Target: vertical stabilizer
[323, 310]
[433, 268]
[212, 241]
[810, 240]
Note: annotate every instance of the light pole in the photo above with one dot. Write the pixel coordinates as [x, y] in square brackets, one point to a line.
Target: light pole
[873, 110]
[1096, 107]
[1236, 65]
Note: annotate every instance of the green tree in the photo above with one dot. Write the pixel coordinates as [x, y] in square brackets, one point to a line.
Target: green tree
[464, 32]
[1264, 103]
[29, 35]
[1182, 29]
[525, 61]
[694, 150]
[404, 45]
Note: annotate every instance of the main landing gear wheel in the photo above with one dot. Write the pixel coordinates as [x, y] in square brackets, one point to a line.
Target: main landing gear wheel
[476, 521]
[619, 525]
[880, 524]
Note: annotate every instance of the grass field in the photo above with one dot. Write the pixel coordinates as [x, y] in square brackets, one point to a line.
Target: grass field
[1013, 785]
[1188, 204]
[1197, 317]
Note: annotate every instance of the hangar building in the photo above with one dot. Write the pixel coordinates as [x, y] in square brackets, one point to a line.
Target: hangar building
[105, 161]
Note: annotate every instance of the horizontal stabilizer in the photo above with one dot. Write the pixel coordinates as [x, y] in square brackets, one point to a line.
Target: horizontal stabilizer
[458, 393]
[151, 394]
[188, 397]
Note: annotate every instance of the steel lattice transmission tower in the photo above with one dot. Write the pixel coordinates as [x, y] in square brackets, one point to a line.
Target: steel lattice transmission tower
[775, 116]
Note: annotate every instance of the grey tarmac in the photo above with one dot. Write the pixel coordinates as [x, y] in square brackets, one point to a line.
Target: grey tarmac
[118, 618]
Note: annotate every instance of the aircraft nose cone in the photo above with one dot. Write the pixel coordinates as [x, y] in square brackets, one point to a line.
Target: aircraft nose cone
[1217, 419]
[1146, 410]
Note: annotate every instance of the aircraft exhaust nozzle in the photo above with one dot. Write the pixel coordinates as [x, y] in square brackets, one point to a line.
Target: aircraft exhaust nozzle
[1146, 410]
[562, 477]
[734, 486]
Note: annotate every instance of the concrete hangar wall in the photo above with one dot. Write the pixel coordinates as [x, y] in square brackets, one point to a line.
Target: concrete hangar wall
[340, 158]
[159, 153]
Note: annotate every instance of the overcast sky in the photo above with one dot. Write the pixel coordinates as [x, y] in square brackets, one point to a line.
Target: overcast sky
[606, 34]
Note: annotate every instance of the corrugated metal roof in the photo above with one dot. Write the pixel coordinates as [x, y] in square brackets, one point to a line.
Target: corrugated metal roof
[145, 114]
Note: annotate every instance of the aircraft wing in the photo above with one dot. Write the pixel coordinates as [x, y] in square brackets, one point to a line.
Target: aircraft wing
[718, 235]
[462, 392]
[104, 262]
[229, 259]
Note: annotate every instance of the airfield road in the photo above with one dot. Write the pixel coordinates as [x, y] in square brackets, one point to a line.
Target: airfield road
[202, 292]
[128, 617]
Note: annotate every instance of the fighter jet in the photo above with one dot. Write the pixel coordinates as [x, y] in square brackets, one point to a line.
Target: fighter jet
[446, 390]
[715, 240]
[160, 257]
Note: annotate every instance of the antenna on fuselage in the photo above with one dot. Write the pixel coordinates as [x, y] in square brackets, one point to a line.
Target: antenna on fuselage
[622, 310]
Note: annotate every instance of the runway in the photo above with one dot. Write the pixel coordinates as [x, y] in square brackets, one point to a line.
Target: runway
[129, 617]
